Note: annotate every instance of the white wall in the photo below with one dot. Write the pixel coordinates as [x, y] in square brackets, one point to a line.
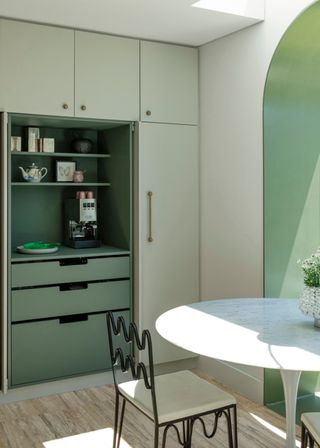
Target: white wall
[233, 71]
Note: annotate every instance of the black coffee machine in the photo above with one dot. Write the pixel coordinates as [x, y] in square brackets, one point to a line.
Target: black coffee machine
[81, 230]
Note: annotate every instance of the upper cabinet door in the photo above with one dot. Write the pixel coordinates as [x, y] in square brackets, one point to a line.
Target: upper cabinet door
[169, 83]
[107, 76]
[37, 68]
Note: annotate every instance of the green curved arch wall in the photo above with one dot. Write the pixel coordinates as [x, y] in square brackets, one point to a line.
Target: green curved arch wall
[292, 170]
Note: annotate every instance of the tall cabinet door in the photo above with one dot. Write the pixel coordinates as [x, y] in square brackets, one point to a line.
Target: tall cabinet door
[107, 76]
[169, 230]
[37, 68]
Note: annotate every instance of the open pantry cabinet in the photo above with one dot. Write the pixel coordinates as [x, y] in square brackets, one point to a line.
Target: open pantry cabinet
[54, 304]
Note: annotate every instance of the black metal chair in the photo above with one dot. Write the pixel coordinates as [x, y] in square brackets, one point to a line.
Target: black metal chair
[172, 401]
[310, 429]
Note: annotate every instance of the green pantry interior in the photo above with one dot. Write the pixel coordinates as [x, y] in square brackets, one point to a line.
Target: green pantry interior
[58, 302]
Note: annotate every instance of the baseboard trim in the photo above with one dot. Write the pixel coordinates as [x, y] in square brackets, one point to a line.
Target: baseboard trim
[174, 366]
[56, 387]
[246, 380]
[82, 382]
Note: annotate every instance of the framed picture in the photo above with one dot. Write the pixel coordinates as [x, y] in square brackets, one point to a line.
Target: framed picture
[65, 171]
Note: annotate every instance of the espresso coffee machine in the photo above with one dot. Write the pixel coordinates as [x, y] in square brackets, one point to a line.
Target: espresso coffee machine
[81, 230]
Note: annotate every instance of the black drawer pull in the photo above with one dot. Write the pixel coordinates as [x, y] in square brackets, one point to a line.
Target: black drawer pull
[73, 261]
[73, 318]
[73, 286]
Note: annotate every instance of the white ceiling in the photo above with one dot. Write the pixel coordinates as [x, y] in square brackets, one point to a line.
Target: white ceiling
[162, 20]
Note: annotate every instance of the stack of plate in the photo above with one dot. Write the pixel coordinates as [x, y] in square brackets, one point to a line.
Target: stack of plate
[38, 247]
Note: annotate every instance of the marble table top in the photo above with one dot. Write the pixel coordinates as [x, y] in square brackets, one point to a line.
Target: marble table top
[270, 333]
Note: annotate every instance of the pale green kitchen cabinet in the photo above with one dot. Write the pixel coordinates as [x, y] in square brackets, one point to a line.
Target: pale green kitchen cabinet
[36, 68]
[169, 83]
[106, 76]
[168, 226]
[55, 71]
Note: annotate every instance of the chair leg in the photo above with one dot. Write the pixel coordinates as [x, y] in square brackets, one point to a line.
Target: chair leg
[121, 421]
[235, 427]
[303, 436]
[231, 417]
[229, 427]
[311, 441]
[116, 417]
[189, 433]
[185, 433]
[156, 437]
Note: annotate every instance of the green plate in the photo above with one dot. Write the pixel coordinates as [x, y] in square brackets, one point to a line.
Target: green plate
[36, 245]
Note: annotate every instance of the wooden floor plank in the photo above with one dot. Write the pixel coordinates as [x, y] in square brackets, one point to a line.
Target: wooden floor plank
[85, 419]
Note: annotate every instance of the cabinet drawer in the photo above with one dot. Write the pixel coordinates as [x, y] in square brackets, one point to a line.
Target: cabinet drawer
[49, 349]
[37, 303]
[56, 272]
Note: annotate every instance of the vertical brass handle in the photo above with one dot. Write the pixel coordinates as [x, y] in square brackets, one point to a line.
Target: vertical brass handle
[149, 194]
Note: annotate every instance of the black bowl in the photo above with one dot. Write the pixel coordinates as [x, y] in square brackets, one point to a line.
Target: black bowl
[82, 145]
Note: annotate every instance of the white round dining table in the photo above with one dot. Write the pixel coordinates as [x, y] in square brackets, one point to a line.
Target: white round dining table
[268, 333]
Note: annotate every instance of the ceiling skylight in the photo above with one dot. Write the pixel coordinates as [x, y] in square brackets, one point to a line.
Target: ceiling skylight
[237, 7]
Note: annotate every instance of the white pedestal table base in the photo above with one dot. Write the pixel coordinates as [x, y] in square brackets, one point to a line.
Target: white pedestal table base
[290, 381]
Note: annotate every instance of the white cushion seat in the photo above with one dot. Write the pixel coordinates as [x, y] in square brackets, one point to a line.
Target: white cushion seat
[312, 422]
[179, 395]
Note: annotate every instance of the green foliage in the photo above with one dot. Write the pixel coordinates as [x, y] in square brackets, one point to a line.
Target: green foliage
[311, 270]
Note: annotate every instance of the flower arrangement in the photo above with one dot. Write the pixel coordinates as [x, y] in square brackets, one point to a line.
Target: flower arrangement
[311, 270]
[309, 301]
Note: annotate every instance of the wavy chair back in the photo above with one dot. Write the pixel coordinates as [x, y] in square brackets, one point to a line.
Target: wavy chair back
[125, 346]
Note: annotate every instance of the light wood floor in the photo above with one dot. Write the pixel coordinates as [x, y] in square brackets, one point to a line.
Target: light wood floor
[84, 419]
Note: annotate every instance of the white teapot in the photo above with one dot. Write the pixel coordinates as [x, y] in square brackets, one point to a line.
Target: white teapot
[32, 173]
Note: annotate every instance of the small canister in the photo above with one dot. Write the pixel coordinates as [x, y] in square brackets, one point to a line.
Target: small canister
[80, 195]
[78, 176]
[89, 194]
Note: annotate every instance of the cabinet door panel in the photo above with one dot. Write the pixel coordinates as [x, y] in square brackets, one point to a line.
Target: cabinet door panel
[107, 76]
[169, 83]
[169, 265]
[37, 66]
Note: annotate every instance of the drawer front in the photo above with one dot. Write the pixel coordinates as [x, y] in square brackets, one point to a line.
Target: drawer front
[70, 298]
[48, 350]
[54, 272]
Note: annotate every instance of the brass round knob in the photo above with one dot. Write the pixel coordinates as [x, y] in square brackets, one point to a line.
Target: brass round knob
[65, 106]
[148, 112]
[83, 107]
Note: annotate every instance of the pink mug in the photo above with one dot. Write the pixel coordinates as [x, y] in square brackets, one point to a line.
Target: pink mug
[80, 195]
[78, 176]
